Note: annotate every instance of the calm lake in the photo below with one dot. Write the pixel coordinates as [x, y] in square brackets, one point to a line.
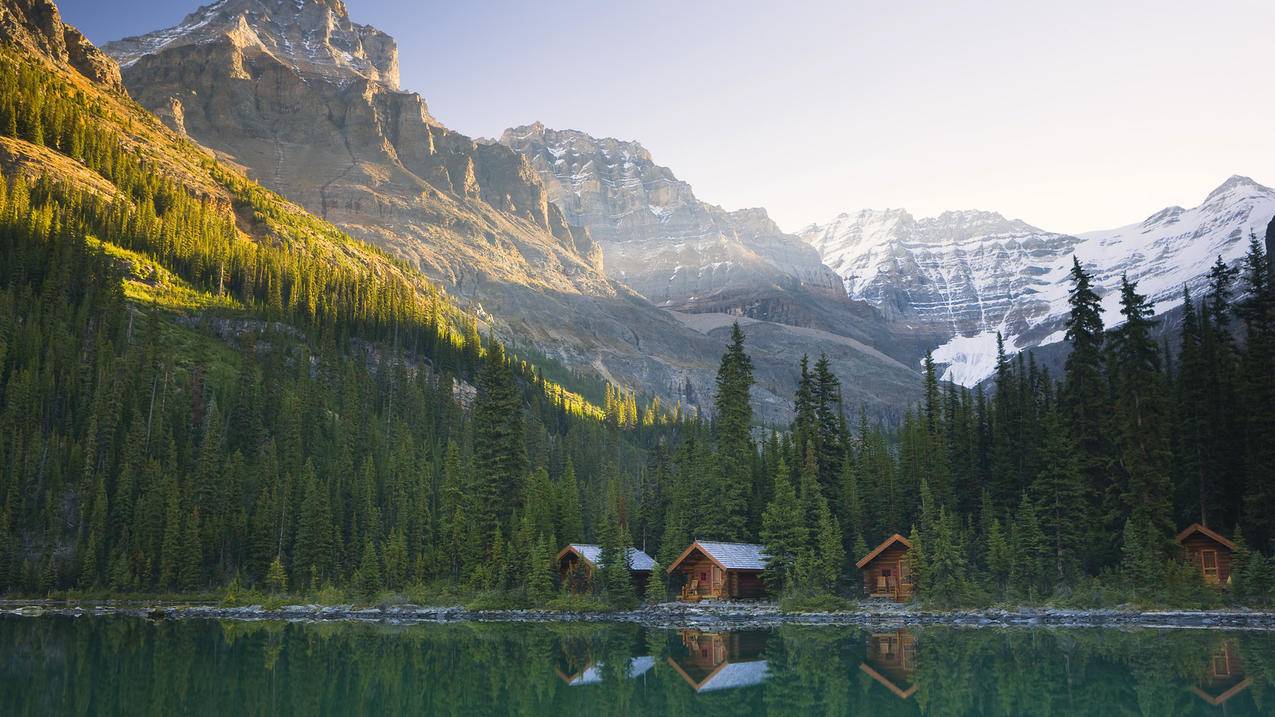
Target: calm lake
[118, 665]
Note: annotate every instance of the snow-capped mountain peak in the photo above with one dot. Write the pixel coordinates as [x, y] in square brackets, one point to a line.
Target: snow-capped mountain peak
[312, 36]
[976, 273]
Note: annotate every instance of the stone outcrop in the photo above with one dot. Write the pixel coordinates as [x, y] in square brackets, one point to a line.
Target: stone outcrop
[37, 25]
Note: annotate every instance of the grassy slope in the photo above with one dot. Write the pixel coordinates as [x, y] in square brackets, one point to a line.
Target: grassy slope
[260, 215]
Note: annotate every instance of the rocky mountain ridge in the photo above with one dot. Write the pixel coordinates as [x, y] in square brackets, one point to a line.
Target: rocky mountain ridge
[972, 274]
[37, 25]
[656, 235]
[270, 86]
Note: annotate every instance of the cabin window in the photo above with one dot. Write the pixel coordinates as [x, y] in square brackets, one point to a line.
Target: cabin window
[1208, 563]
[1221, 665]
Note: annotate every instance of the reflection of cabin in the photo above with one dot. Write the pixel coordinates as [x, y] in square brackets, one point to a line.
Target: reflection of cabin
[1209, 551]
[885, 570]
[719, 661]
[720, 570]
[577, 563]
[891, 659]
[1224, 677]
[592, 673]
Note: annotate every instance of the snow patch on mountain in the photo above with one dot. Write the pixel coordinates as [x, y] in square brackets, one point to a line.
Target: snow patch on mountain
[969, 359]
[973, 273]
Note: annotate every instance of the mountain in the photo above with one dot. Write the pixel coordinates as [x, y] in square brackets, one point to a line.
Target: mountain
[656, 236]
[308, 103]
[685, 254]
[36, 26]
[972, 274]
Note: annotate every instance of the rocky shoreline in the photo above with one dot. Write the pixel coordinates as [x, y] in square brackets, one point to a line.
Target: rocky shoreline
[718, 616]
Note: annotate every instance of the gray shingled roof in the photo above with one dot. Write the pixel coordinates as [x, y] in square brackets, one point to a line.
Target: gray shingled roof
[593, 673]
[736, 674]
[638, 560]
[737, 556]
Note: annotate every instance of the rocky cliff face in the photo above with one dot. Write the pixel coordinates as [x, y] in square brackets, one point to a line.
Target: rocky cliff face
[656, 236]
[37, 25]
[971, 274]
[688, 255]
[307, 101]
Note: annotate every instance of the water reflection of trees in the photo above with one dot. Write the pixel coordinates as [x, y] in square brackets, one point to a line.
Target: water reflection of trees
[117, 666]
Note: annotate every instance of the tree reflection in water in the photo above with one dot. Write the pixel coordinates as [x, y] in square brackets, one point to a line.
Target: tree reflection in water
[58, 665]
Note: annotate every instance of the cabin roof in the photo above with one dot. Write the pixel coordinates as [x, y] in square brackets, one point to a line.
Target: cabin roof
[592, 674]
[735, 674]
[1202, 530]
[638, 560]
[887, 682]
[728, 556]
[896, 538]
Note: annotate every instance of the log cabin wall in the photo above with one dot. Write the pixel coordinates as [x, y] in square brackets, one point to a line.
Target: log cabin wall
[886, 575]
[1210, 557]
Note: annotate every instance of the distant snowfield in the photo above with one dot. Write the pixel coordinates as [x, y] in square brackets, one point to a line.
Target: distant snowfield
[969, 359]
[979, 273]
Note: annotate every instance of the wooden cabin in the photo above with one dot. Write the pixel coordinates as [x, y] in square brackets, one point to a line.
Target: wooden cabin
[1209, 551]
[891, 660]
[720, 571]
[885, 570]
[1224, 676]
[578, 562]
[717, 661]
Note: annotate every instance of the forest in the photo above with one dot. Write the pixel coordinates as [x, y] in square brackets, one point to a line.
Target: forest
[186, 410]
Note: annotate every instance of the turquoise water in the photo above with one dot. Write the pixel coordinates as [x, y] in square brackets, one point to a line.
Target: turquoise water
[118, 666]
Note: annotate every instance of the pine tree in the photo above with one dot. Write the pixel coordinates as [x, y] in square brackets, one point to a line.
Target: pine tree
[830, 452]
[569, 525]
[190, 569]
[540, 572]
[656, 586]
[1258, 391]
[395, 559]
[1193, 465]
[1085, 399]
[829, 551]
[276, 576]
[1141, 418]
[314, 544]
[1030, 553]
[617, 581]
[732, 423]
[369, 572]
[499, 454]
[783, 533]
[1058, 493]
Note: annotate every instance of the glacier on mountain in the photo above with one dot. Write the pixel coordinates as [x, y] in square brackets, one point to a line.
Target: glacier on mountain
[972, 274]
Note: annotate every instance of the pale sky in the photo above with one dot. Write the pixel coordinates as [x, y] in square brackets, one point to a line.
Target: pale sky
[1071, 116]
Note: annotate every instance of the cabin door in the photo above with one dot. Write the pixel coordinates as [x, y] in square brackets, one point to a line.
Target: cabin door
[1208, 564]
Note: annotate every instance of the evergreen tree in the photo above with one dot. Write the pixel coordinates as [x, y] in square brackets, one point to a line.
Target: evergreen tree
[732, 422]
[656, 586]
[369, 572]
[1058, 494]
[615, 577]
[313, 553]
[829, 551]
[1085, 399]
[499, 454]
[783, 533]
[540, 575]
[1141, 422]
[1029, 550]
